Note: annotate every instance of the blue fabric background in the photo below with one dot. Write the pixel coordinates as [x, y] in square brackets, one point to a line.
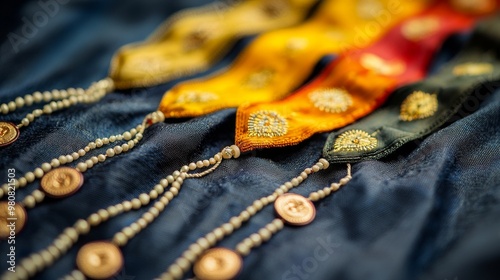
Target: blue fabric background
[430, 211]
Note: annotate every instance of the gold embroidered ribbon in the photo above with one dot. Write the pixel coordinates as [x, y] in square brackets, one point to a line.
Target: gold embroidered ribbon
[354, 85]
[193, 40]
[279, 61]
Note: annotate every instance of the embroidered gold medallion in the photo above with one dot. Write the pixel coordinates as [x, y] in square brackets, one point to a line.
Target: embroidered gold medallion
[417, 29]
[472, 69]
[259, 79]
[354, 141]
[196, 97]
[418, 105]
[381, 66]
[266, 124]
[331, 100]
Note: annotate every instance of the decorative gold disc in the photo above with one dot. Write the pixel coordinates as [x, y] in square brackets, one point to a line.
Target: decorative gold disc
[8, 133]
[99, 260]
[12, 219]
[354, 141]
[267, 124]
[418, 105]
[218, 264]
[61, 182]
[295, 209]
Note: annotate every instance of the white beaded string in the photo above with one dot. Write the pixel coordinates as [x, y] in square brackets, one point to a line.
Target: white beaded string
[36, 262]
[188, 257]
[57, 100]
[132, 137]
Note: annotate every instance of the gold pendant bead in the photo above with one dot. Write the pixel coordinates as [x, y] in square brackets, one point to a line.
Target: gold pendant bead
[12, 219]
[99, 260]
[8, 133]
[218, 264]
[61, 182]
[295, 209]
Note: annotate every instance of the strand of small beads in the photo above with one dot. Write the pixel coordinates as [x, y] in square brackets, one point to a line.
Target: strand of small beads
[109, 256]
[59, 182]
[55, 100]
[195, 250]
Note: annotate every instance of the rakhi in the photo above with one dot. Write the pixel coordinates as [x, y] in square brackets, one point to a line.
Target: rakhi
[352, 86]
[277, 62]
[178, 37]
[60, 182]
[351, 144]
[189, 42]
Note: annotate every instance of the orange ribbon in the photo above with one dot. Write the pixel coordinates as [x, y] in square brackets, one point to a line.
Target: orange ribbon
[279, 61]
[352, 86]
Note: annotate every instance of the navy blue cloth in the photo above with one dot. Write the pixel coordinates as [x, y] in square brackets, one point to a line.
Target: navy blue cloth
[428, 211]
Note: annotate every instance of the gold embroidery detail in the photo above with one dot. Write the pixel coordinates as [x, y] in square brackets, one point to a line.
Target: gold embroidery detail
[472, 69]
[418, 105]
[259, 79]
[354, 141]
[196, 97]
[331, 100]
[417, 29]
[381, 66]
[266, 124]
